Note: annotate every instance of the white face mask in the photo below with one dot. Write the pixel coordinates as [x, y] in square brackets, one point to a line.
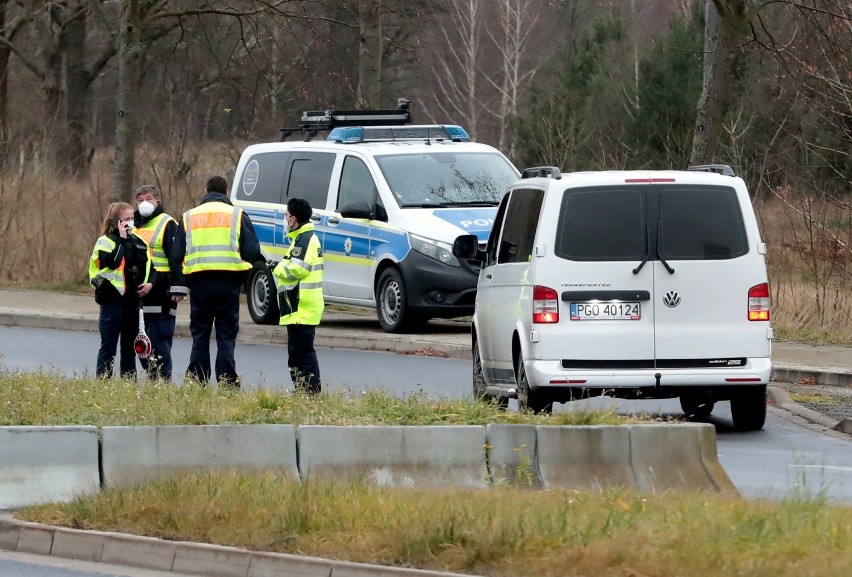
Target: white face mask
[146, 209]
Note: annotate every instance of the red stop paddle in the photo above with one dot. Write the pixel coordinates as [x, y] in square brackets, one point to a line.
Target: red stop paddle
[142, 344]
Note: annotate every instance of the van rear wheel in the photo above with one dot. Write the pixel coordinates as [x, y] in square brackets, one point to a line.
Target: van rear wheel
[392, 308]
[537, 401]
[261, 296]
[748, 408]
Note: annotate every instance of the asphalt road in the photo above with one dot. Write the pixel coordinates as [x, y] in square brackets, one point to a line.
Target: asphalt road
[786, 458]
[25, 565]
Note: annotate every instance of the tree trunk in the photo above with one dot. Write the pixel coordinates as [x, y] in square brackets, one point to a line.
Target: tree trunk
[370, 54]
[4, 92]
[129, 55]
[720, 40]
[76, 86]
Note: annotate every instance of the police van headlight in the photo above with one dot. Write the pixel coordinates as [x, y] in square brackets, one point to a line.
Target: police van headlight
[440, 251]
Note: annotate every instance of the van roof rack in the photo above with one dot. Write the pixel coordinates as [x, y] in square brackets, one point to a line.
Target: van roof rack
[314, 121]
[543, 171]
[723, 169]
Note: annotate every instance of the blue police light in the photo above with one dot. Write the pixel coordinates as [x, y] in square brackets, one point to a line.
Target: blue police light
[456, 132]
[346, 134]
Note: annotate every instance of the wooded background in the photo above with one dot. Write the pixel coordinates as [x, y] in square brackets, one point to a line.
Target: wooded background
[89, 86]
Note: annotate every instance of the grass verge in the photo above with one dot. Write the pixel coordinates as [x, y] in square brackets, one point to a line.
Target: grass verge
[501, 531]
[45, 398]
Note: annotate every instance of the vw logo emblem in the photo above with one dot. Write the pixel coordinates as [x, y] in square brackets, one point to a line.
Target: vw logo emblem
[672, 299]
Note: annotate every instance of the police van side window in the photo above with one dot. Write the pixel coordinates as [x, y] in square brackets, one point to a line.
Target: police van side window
[263, 177]
[602, 224]
[701, 223]
[516, 242]
[356, 184]
[310, 175]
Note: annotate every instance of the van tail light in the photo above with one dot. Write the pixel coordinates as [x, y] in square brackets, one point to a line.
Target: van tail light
[758, 302]
[545, 305]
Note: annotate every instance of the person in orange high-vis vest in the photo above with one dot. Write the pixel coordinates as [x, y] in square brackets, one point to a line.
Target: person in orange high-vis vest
[216, 246]
[159, 229]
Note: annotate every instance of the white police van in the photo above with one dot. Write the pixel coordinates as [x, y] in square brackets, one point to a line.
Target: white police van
[635, 284]
[389, 199]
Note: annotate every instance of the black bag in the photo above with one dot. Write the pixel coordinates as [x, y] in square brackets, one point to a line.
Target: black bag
[288, 301]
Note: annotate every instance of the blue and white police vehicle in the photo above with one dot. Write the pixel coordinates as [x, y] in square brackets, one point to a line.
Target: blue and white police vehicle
[388, 198]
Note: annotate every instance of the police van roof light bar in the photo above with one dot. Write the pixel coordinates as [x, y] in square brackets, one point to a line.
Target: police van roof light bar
[427, 132]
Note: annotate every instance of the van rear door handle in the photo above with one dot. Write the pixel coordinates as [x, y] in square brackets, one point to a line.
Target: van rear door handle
[488, 275]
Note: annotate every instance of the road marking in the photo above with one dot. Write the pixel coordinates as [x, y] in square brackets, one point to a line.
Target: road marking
[824, 467]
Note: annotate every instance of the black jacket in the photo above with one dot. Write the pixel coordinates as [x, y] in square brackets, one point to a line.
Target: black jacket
[134, 251]
[249, 250]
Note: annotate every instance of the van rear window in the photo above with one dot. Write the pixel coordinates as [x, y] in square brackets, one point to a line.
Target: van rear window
[675, 222]
[602, 224]
[701, 223]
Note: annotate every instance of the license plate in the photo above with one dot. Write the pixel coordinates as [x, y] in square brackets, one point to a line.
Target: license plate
[605, 311]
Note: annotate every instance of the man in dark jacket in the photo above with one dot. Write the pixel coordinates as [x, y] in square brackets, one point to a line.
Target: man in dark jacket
[158, 229]
[216, 245]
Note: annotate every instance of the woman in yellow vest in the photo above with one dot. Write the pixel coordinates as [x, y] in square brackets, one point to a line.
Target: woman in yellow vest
[300, 298]
[119, 271]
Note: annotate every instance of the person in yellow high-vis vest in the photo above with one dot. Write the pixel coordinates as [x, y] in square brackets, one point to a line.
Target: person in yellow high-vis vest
[300, 300]
[159, 229]
[120, 272]
[216, 246]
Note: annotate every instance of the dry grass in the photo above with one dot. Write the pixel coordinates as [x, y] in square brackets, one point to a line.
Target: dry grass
[501, 531]
[48, 399]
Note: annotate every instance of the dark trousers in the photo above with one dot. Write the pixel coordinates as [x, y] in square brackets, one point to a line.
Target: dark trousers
[302, 358]
[118, 324]
[213, 303]
[161, 331]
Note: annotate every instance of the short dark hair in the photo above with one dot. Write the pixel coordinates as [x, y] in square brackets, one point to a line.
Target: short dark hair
[300, 208]
[145, 189]
[217, 184]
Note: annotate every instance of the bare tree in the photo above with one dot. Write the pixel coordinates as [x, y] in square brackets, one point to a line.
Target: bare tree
[370, 54]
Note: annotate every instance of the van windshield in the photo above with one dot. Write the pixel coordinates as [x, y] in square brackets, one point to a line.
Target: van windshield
[447, 178]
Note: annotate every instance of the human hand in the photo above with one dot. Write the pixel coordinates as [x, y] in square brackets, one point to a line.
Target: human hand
[144, 289]
[178, 298]
[123, 229]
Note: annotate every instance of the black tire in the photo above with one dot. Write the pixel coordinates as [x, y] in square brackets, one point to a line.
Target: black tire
[748, 408]
[479, 382]
[696, 405]
[392, 303]
[261, 296]
[529, 400]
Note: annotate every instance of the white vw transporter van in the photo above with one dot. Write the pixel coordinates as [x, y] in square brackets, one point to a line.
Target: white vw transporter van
[389, 199]
[630, 284]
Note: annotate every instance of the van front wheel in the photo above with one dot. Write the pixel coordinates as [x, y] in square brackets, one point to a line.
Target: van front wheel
[261, 296]
[392, 303]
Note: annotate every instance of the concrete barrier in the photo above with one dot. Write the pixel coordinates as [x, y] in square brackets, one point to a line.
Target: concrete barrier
[47, 464]
[584, 457]
[137, 454]
[512, 454]
[666, 457]
[395, 455]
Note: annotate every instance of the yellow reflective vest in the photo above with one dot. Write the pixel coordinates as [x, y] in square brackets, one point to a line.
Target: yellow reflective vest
[299, 278]
[213, 238]
[114, 276]
[152, 232]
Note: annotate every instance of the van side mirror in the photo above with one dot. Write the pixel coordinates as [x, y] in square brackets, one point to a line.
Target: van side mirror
[467, 247]
[356, 209]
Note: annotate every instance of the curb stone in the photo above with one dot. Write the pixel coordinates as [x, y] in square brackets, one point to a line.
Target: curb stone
[181, 556]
